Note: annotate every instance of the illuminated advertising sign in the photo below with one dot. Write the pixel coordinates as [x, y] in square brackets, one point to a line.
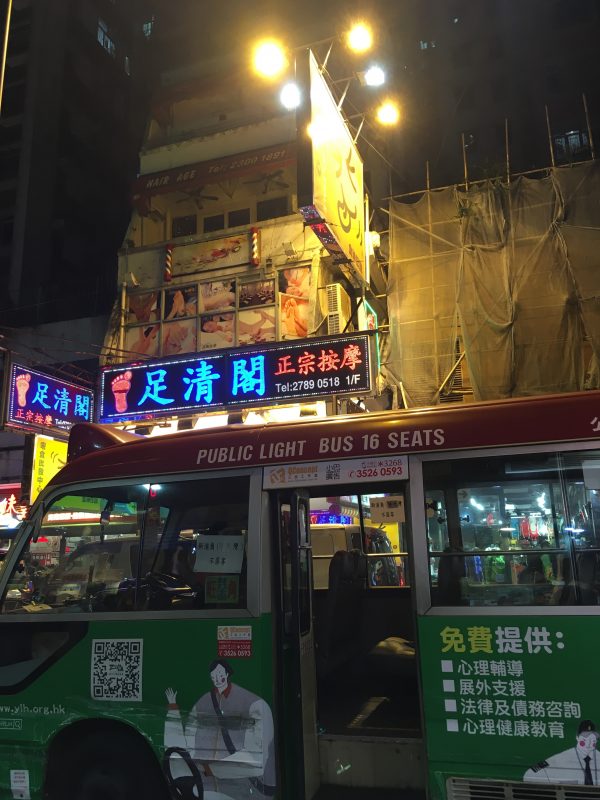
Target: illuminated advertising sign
[39, 401]
[12, 510]
[274, 373]
[330, 171]
[49, 455]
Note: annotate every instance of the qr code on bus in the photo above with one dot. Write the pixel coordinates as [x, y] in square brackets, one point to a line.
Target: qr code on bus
[117, 669]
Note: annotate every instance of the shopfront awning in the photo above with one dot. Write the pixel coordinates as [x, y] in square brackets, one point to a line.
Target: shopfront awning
[203, 173]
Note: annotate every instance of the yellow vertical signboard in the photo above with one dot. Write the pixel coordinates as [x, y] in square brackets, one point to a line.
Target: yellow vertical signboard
[49, 455]
[337, 171]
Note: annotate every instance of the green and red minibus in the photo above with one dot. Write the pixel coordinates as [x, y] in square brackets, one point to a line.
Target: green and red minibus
[405, 600]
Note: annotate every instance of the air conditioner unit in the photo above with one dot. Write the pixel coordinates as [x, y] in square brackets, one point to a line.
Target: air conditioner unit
[339, 309]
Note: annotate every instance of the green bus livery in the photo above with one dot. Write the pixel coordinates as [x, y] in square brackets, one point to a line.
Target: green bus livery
[404, 600]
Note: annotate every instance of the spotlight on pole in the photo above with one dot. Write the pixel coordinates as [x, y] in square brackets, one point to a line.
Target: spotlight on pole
[290, 96]
[374, 76]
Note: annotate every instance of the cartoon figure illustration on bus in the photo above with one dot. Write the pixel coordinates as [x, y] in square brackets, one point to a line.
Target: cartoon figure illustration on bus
[577, 764]
[225, 749]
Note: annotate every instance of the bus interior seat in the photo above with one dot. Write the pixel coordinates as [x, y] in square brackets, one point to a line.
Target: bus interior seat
[587, 575]
[336, 639]
[392, 657]
[451, 574]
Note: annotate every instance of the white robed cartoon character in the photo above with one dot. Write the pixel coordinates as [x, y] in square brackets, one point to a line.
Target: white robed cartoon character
[578, 764]
[224, 750]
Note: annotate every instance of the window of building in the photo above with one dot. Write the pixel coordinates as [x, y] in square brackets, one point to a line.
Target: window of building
[184, 226]
[147, 28]
[269, 209]
[239, 217]
[104, 38]
[571, 146]
[214, 223]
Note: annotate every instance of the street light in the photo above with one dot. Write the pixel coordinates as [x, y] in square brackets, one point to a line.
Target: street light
[269, 59]
[359, 38]
[388, 113]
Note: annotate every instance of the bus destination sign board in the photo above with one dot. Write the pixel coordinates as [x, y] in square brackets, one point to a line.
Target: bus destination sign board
[280, 372]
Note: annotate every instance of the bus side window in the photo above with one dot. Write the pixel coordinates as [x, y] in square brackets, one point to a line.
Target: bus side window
[514, 530]
[83, 557]
[200, 561]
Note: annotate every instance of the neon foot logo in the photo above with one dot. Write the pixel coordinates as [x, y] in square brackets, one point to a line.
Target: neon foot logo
[120, 387]
[22, 382]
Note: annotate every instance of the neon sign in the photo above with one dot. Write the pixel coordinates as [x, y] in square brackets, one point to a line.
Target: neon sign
[277, 372]
[12, 509]
[329, 518]
[39, 401]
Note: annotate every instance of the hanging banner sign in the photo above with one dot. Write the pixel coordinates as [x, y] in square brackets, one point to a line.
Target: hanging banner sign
[274, 373]
[37, 401]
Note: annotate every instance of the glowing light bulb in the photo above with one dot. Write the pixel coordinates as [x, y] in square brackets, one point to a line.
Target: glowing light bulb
[360, 38]
[388, 113]
[269, 59]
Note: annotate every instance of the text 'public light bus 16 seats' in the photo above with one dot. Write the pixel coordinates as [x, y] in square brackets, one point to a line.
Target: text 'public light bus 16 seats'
[380, 600]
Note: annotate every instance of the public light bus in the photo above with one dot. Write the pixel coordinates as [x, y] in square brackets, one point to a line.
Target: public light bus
[406, 599]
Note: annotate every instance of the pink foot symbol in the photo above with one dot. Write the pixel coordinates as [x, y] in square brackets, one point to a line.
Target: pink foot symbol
[22, 382]
[120, 387]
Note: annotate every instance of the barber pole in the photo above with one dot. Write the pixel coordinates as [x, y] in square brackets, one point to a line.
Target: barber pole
[168, 274]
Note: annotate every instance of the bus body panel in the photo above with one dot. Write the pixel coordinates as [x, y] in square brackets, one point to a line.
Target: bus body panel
[568, 417]
[148, 657]
[504, 695]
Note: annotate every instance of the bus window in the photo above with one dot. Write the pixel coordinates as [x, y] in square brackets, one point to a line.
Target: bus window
[84, 557]
[171, 546]
[372, 525]
[199, 559]
[514, 530]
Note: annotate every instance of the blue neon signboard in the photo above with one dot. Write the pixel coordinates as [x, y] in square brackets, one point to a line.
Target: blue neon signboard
[279, 372]
[37, 401]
